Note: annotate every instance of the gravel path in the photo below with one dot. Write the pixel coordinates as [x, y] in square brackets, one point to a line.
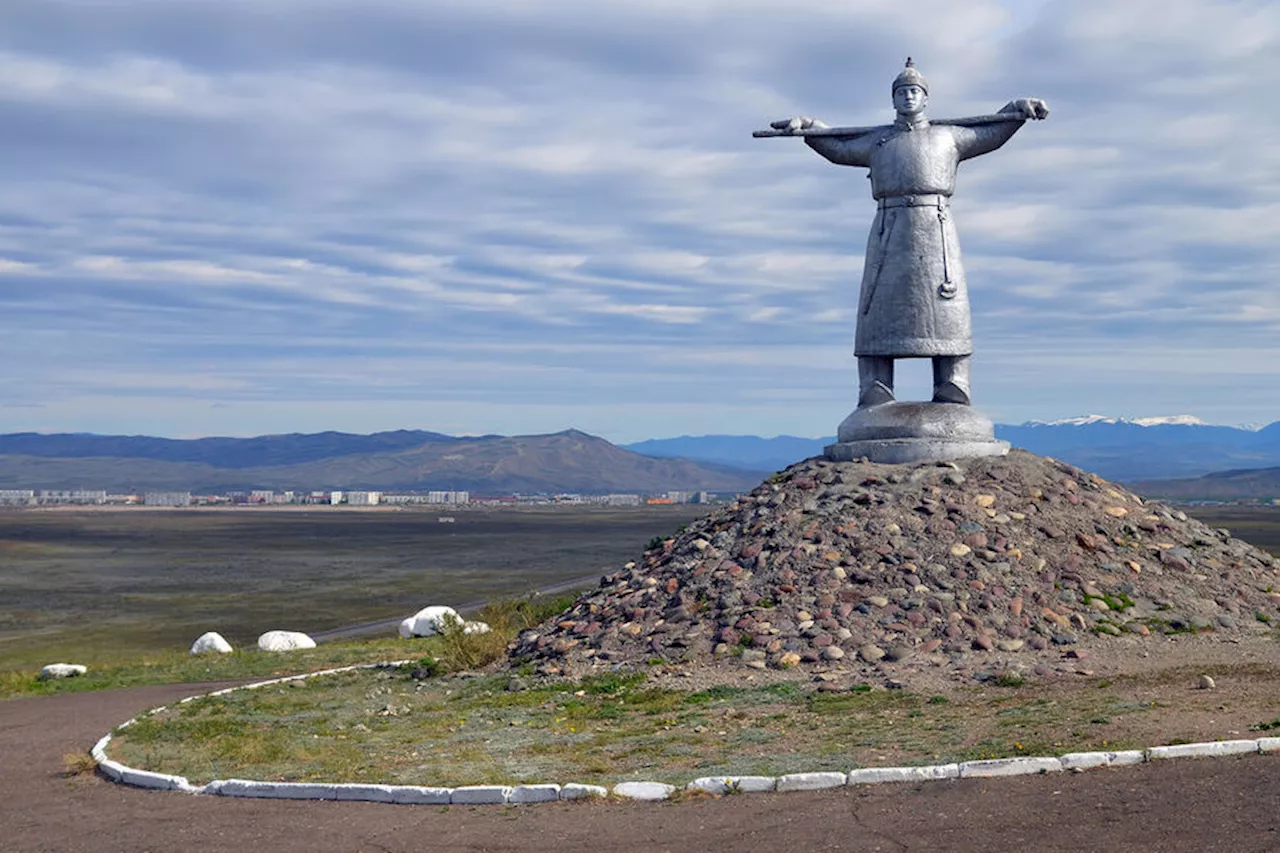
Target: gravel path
[1205, 805]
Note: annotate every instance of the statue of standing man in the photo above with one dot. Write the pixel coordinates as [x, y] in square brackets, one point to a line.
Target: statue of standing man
[914, 302]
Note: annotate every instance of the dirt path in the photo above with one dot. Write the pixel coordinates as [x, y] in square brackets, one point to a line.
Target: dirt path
[1210, 805]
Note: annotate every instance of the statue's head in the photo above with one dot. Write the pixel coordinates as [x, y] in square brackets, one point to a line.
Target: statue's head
[910, 91]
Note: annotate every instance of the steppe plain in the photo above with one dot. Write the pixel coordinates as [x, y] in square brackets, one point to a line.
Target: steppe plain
[1192, 805]
[102, 586]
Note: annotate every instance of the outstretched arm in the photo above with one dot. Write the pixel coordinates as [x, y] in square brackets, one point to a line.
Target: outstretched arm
[976, 140]
[841, 150]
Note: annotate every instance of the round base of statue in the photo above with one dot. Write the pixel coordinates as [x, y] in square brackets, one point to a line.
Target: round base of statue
[901, 432]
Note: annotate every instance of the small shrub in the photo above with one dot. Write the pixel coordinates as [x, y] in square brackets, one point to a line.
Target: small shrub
[460, 651]
[78, 764]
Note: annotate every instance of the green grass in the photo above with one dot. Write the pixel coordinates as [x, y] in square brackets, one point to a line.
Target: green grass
[383, 726]
[453, 652]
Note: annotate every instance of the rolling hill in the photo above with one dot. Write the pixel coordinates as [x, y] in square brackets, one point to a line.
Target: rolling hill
[569, 461]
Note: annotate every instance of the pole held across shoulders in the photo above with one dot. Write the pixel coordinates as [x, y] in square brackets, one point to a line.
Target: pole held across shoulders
[848, 132]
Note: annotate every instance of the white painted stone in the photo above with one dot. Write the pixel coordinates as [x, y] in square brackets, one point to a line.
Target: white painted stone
[365, 793]
[429, 621]
[147, 779]
[1203, 750]
[1127, 757]
[649, 791]
[720, 785]
[111, 769]
[874, 775]
[99, 751]
[302, 791]
[1020, 766]
[1269, 744]
[716, 785]
[753, 784]
[432, 620]
[276, 790]
[480, 795]
[62, 670]
[811, 781]
[415, 795]
[1084, 760]
[534, 794]
[285, 641]
[575, 791]
[211, 642]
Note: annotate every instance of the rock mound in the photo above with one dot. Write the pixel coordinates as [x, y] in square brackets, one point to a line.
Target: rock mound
[1016, 558]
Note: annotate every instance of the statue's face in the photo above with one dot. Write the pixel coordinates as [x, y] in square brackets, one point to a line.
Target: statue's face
[909, 100]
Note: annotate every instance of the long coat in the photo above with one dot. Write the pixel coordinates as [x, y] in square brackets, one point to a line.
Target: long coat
[914, 300]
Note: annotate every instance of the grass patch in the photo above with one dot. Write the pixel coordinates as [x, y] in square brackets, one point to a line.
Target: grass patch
[463, 729]
[451, 652]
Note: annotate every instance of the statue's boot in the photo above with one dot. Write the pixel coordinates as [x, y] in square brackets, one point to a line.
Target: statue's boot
[875, 380]
[951, 379]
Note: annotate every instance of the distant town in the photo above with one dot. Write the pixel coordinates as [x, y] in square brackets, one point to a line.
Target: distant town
[347, 498]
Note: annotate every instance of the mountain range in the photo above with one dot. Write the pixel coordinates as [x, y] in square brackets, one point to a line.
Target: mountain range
[569, 461]
[1115, 448]
[1162, 456]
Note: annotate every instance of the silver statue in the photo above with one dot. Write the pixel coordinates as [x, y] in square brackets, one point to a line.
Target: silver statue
[913, 302]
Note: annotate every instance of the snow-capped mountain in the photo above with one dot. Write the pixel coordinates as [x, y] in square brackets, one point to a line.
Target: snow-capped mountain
[1084, 420]
[1146, 448]
[1168, 420]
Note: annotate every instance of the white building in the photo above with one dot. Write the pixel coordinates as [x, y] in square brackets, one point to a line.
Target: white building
[72, 496]
[443, 497]
[17, 497]
[364, 498]
[167, 499]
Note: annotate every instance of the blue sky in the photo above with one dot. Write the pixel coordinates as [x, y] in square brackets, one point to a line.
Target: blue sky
[239, 217]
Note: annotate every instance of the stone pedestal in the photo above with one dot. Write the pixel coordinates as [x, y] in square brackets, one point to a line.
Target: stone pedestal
[901, 432]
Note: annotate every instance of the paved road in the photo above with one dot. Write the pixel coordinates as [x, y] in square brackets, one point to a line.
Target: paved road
[1196, 805]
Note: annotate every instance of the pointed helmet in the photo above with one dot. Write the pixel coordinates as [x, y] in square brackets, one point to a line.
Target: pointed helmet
[910, 77]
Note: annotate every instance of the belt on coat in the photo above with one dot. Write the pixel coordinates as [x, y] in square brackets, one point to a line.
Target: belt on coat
[925, 200]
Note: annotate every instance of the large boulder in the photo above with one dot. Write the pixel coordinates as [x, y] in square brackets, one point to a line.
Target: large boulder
[62, 670]
[285, 641]
[432, 620]
[211, 643]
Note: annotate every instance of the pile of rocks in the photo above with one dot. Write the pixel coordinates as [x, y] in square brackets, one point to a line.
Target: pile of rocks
[875, 565]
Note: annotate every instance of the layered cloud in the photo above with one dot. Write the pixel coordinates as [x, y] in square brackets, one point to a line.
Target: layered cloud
[507, 216]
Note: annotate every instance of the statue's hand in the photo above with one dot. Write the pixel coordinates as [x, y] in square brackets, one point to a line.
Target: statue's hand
[791, 125]
[1028, 107]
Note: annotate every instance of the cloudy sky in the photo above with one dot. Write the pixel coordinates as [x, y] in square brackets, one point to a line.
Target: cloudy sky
[238, 217]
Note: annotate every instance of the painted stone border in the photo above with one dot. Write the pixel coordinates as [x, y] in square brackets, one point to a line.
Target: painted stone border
[642, 791]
